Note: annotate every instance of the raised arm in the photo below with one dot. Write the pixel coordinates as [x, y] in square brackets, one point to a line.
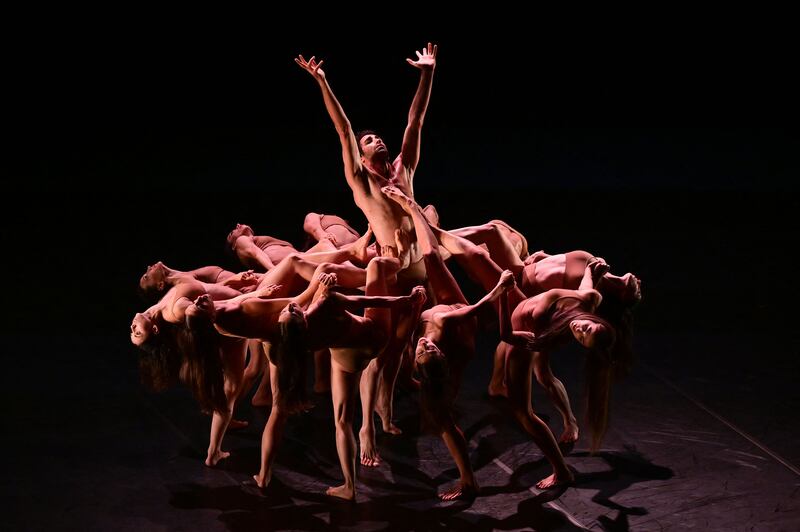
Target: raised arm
[350, 154]
[426, 63]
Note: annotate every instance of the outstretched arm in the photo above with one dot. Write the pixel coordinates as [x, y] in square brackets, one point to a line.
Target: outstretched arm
[426, 62]
[357, 303]
[350, 153]
[503, 284]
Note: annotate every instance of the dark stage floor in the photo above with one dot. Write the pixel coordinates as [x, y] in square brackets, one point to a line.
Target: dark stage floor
[693, 444]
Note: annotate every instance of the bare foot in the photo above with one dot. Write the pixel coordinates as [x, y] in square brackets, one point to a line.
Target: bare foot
[497, 390]
[460, 491]
[431, 214]
[633, 288]
[397, 195]
[570, 434]
[237, 424]
[262, 481]
[213, 458]
[384, 413]
[359, 248]
[342, 492]
[390, 428]
[555, 480]
[369, 455]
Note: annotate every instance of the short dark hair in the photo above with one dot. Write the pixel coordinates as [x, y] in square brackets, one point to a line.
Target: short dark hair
[363, 133]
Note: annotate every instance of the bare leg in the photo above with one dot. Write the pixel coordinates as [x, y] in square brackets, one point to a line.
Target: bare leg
[366, 436]
[343, 385]
[446, 292]
[233, 355]
[476, 262]
[322, 371]
[360, 250]
[256, 366]
[558, 394]
[347, 275]
[379, 271]
[497, 384]
[519, 394]
[297, 270]
[501, 250]
[273, 432]
[388, 363]
[467, 486]
[263, 395]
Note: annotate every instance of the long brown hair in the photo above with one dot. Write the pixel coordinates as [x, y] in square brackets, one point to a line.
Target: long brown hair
[160, 359]
[202, 369]
[599, 365]
[176, 354]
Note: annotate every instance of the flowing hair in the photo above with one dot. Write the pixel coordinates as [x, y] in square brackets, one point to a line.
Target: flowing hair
[291, 358]
[605, 366]
[202, 369]
[178, 354]
[160, 359]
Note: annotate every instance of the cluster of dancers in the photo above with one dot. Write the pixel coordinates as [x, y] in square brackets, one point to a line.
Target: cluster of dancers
[362, 309]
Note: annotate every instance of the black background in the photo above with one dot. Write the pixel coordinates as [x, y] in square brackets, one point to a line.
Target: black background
[665, 142]
[670, 152]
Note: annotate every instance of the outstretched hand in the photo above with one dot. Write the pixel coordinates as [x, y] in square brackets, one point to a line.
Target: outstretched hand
[311, 66]
[426, 58]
